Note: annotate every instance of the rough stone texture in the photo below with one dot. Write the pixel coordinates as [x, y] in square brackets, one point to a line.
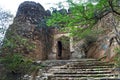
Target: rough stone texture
[98, 47]
[29, 32]
[48, 13]
[30, 11]
[78, 51]
[102, 48]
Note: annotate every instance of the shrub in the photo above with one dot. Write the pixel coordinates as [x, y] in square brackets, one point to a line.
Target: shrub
[16, 63]
[117, 57]
[16, 44]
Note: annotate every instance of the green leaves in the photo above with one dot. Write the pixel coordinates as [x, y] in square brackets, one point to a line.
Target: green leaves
[117, 57]
[81, 15]
[16, 63]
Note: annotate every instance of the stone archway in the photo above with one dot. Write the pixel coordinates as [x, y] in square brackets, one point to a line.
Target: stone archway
[63, 48]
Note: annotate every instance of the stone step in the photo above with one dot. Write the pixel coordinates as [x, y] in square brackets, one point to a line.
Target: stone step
[85, 75]
[81, 72]
[83, 78]
[77, 66]
[69, 70]
[88, 62]
[84, 69]
[59, 62]
[72, 60]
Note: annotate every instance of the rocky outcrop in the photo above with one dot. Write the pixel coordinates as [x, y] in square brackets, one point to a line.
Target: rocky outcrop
[29, 34]
[79, 51]
[104, 47]
[30, 11]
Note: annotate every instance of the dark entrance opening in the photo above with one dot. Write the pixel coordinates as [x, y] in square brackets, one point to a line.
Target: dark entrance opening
[59, 49]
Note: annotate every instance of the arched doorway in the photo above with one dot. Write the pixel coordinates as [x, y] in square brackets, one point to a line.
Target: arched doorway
[59, 50]
[63, 48]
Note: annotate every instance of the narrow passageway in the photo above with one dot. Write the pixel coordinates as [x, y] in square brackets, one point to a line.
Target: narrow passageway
[59, 49]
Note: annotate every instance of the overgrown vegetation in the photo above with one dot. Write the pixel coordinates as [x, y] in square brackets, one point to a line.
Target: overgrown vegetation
[15, 47]
[117, 58]
[16, 65]
[5, 18]
[82, 16]
[16, 44]
[12, 58]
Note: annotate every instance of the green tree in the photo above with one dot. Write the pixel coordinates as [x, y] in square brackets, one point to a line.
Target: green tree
[5, 18]
[84, 15]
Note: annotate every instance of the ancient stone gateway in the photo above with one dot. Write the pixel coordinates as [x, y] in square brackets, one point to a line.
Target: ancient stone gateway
[62, 46]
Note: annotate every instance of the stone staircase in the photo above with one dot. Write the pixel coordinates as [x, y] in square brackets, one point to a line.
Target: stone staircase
[83, 69]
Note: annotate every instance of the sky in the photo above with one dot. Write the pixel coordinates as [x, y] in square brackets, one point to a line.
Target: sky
[12, 5]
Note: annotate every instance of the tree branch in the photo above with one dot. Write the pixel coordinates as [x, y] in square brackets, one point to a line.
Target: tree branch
[111, 6]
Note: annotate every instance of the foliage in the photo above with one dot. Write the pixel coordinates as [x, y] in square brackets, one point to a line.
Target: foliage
[82, 17]
[16, 63]
[14, 48]
[16, 66]
[5, 18]
[16, 44]
[117, 57]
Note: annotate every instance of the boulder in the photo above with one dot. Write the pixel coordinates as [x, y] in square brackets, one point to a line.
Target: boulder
[103, 48]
